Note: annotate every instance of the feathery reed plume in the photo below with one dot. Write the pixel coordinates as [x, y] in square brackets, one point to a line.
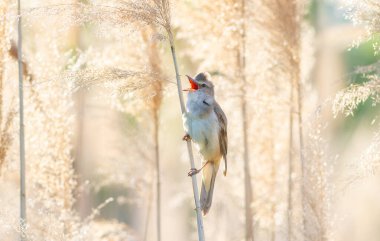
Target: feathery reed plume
[316, 174]
[53, 161]
[368, 164]
[53, 183]
[365, 13]
[362, 170]
[124, 81]
[279, 30]
[348, 99]
[46, 172]
[147, 85]
[123, 14]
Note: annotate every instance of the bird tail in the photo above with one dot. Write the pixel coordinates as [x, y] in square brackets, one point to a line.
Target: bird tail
[208, 181]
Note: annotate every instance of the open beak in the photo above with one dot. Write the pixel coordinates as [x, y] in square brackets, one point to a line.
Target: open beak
[193, 84]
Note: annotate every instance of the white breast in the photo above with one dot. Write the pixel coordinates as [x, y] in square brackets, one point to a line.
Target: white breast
[204, 132]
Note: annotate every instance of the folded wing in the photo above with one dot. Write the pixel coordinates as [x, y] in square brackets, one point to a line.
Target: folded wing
[223, 145]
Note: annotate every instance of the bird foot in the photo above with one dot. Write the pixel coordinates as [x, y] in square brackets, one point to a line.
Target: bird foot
[186, 137]
[192, 172]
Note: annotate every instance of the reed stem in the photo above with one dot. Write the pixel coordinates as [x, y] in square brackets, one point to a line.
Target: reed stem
[247, 171]
[22, 135]
[201, 236]
[158, 178]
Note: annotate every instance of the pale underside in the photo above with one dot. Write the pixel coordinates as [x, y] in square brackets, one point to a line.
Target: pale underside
[205, 135]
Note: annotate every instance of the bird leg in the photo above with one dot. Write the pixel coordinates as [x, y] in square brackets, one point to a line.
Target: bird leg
[186, 137]
[194, 171]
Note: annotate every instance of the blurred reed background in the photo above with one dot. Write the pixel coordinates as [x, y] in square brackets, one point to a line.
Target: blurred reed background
[298, 81]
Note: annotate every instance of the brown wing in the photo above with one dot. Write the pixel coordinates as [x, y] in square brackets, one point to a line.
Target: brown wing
[222, 133]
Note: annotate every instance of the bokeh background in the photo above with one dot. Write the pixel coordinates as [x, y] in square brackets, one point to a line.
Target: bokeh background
[298, 81]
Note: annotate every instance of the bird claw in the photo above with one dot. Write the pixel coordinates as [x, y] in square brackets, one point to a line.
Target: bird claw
[186, 137]
[192, 172]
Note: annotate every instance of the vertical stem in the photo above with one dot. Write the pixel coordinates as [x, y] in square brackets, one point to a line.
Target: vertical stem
[272, 173]
[290, 164]
[247, 180]
[301, 143]
[158, 181]
[295, 38]
[154, 61]
[146, 228]
[247, 173]
[83, 202]
[201, 236]
[22, 137]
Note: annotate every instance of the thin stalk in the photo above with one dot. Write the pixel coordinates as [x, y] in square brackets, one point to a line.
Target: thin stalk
[272, 173]
[158, 181]
[22, 136]
[146, 228]
[154, 62]
[299, 99]
[301, 143]
[290, 164]
[296, 81]
[247, 180]
[247, 173]
[201, 236]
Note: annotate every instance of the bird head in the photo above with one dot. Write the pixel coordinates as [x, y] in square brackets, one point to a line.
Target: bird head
[201, 82]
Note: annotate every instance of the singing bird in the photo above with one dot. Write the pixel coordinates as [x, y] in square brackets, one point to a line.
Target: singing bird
[206, 125]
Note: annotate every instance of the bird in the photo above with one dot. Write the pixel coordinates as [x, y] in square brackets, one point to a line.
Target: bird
[206, 125]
